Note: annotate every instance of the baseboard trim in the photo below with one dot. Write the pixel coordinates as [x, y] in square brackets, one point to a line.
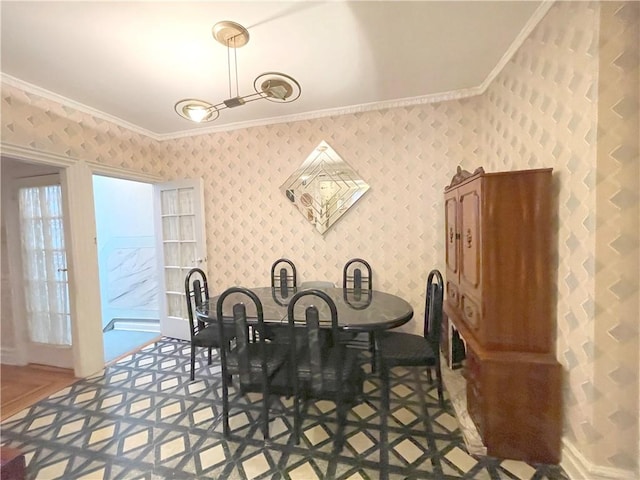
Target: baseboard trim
[579, 468]
[9, 356]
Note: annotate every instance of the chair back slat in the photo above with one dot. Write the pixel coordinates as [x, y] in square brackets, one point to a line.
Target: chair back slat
[315, 346]
[197, 292]
[284, 286]
[242, 342]
[357, 283]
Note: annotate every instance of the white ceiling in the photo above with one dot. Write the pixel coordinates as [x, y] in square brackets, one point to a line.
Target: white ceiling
[132, 61]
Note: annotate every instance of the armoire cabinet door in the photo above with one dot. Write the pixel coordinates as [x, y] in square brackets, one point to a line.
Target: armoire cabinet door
[451, 248]
[470, 241]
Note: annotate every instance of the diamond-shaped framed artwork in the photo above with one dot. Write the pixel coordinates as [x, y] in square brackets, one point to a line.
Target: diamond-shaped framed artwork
[324, 187]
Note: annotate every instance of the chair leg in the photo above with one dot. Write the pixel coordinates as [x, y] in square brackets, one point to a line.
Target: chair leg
[296, 419]
[210, 348]
[384, 376]
[439, 380]
[384, 401]
[372, 350]
[342, 419]
[193, 362]
[265, 412]
[225, 409]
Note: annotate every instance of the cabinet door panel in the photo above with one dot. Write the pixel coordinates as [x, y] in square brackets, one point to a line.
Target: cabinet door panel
[452, 233]
[470, 236]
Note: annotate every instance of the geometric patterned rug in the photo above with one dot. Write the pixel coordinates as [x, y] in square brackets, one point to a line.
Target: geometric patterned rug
[141, 418]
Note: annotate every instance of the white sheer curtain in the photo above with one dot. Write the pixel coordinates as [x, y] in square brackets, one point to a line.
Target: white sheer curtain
[45, 265]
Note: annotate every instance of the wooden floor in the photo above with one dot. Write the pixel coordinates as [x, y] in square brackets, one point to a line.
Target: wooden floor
[21, 387]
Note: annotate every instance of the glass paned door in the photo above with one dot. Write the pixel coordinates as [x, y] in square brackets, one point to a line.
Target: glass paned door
[44, 270]
[180, 221]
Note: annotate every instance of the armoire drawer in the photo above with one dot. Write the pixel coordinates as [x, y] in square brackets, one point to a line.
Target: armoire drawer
[453, 295]
[470, 312]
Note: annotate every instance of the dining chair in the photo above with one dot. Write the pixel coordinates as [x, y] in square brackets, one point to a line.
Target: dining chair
[357, 275]
[202, 335]
[284, 276]
[253, 363]
[357, 283]
[284, 283]
[318, 369]
[406, 349]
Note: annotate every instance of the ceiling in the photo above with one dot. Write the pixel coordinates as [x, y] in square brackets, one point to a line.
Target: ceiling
[131, 62]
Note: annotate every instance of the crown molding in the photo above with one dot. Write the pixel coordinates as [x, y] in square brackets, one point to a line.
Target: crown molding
[67, 102]
[330, 112]
[538, 15]
[360, 108]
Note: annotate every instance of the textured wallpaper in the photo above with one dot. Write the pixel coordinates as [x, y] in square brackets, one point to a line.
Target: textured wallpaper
[569, 100]
[403, 154]
[542, 110]
[616, 401]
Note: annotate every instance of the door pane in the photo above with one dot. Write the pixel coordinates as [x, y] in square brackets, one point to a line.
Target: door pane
[171, 254]
[169, 202]
[186, 201]
[44, 265]
[188, 228]
[170, 228]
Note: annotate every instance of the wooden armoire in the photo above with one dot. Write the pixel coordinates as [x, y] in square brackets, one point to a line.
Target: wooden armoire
[500, 298]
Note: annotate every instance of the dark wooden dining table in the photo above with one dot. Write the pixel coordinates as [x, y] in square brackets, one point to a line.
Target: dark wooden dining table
[365, 311]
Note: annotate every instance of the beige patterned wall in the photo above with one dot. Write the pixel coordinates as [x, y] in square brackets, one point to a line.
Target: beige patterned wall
[569, 100]
[404, 155]
[617, 237]
[37, 123]
[541, 111]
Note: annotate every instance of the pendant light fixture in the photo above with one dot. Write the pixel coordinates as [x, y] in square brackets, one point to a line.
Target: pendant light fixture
[273, 86]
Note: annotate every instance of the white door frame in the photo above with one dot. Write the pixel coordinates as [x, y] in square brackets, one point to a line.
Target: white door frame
[82, 256]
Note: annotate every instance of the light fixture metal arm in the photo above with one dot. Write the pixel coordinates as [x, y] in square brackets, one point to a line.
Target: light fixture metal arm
[273, 86]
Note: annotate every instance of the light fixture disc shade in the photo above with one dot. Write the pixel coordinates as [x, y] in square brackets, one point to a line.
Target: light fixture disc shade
[196, 110]
[277, 87]
[230, 34]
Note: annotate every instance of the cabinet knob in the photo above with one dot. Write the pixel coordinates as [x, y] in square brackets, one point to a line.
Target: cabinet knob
[469, 238]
